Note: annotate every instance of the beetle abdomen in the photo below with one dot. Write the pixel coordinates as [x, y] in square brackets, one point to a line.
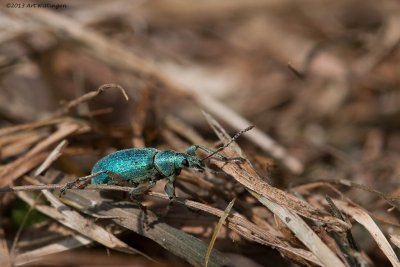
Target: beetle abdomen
[135, 165]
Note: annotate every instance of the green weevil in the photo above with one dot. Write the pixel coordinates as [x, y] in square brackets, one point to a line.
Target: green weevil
[137, 166]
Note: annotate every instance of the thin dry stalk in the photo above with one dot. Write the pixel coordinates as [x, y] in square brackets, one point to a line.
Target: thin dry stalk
[18, 167]
[118, 56]
[246, 176]
[60, 246]
[362, 217]
[258, 188]
[88, 96]
[217, 229]
[77, 222]
[236, 222]
[4, 255]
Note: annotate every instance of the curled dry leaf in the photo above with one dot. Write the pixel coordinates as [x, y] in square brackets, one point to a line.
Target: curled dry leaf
[362, 217]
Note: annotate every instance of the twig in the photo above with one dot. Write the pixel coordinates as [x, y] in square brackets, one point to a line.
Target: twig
[256, 136]
[87, 97]
[118, 56]
[217, 229]
[362, 217]
[4, 254]
[11, 170]
[32, 125]
[54, 155]
[388, 197]
[237, 223]
[328, 184]
[285, 210]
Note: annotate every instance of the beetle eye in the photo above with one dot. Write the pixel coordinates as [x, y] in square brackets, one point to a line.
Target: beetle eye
[185, 163]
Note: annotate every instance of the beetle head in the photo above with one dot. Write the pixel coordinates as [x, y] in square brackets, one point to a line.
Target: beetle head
[183, 160]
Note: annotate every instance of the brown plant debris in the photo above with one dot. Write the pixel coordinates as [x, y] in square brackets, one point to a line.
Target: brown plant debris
[315, 182]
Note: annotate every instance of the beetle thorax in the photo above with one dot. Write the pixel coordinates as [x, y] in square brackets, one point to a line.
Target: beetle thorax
[164, 162]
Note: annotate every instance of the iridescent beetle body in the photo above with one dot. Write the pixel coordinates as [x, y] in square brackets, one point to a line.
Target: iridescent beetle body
[137, 166]
[140, 165]
[134, 165]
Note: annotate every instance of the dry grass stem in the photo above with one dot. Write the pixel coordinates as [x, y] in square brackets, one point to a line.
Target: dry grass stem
[317, 80]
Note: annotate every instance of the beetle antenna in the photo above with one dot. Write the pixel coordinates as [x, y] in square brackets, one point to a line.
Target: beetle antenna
[236, 136]
[214, 172]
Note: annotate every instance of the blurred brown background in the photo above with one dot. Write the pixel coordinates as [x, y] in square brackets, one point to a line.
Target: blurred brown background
[321, 78]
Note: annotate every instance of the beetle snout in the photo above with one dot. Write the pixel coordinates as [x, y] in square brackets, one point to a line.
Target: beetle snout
[199, 167]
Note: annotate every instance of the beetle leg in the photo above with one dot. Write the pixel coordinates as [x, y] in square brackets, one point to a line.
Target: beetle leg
[139, 190]
[190, 151]
[169, 187]
[134, 184]
[82, 182]
[193, 148]
[117, 179]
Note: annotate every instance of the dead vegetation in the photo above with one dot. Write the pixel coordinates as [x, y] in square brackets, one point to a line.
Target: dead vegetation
[320, 184]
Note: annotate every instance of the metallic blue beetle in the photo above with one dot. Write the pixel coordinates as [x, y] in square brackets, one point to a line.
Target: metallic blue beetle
[136, 166]
[140, 165]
